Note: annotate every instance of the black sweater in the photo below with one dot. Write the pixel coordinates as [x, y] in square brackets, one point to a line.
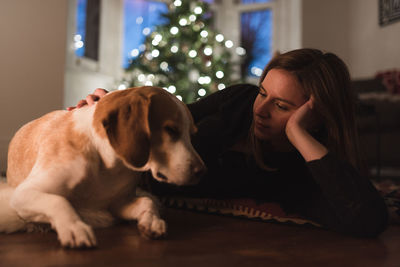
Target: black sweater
[329, 191]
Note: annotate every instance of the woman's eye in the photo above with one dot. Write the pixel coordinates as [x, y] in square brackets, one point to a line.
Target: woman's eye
[262, 93]
[282, 107]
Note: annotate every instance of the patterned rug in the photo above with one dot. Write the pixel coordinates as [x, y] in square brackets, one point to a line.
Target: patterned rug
[272, 212]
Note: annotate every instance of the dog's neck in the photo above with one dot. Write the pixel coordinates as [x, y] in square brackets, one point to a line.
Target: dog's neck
[83, 119]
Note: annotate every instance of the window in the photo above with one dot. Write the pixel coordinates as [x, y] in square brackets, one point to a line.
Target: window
[256, 39]
[255, 20]
[87, 29]
[80, 28]
[140, 18]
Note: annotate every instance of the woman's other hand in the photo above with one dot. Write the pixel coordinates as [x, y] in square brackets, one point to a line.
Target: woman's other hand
[304, 118]
[90, 99]
[298, 128]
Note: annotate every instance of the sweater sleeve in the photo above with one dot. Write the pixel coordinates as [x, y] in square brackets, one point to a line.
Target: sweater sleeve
[345, 201]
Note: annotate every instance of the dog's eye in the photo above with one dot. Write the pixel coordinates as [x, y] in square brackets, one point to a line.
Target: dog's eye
[172, 131]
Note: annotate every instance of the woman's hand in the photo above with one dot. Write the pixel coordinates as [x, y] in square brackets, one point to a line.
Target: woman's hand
[298, 129]
[304, 117]
[90, 99]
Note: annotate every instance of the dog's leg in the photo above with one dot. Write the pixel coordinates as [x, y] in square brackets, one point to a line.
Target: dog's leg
[144, 209]
[36, 206]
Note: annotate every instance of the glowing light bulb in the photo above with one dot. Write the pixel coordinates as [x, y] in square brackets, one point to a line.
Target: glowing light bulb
[121, 86]
[79, 44]
[198, 10]
[256, 71]
[240, 51]
[164, 65]
[174, 49]
[149, 56]
[179, 97]
[171, 89]
[208, 51]
[155, 53]
[174, 30]
[192, 18]
[192, 53]
[228, 43]
[221, 86]
[141, 77]
[183, 22]
[139, 20]
[219, 74]
[201, 92]
[134, 52]
[158, 37]
[177, 3]
[146, 31]
[77, 37]
[204, 34]
[219, 37]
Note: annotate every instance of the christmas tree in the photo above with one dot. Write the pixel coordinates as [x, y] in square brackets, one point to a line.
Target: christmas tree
[184, 55]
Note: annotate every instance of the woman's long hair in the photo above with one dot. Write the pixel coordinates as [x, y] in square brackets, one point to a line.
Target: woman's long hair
[325, 77]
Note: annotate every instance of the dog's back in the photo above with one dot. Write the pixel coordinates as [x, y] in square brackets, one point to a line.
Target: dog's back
[25, 145]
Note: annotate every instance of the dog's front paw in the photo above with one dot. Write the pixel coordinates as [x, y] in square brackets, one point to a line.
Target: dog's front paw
[76, 235]
[151, 226]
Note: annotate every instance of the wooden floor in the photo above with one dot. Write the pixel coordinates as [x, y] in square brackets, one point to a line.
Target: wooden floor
[197, 239]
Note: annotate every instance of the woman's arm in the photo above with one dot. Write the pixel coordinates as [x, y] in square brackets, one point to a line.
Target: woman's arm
[297, 131]
[342, 199]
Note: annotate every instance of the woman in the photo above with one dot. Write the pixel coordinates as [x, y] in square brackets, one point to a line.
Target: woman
[292, 140]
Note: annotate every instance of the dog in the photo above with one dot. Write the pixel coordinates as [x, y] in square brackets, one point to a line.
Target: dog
[80, 169]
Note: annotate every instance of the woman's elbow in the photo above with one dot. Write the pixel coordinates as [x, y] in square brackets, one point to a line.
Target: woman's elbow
[369, 223]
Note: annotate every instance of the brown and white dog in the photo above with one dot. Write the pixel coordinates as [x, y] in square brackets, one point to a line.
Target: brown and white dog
[79, 169]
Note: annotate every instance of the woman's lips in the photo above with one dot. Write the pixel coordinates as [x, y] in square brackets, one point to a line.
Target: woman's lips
[261, 125]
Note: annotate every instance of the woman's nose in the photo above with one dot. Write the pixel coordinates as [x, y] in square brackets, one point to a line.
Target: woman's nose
[263, 109]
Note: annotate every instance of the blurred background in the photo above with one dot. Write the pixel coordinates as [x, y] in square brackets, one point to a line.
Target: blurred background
[53, 53]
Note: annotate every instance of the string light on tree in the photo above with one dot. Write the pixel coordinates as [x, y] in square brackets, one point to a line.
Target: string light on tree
[122, 86]
[208, 51]
[192, 53]
[204, 34]
[219, 74]
[146, 31]
[164, 66]
[201, 92]
[174, 30]
[221, 86]
[171, 89]
[174, 49]
[177, 3]
[155, 53]
[192, 18]
[134, 52]
[229, 44]
[198, 10]
[219, 38]
[240, 51]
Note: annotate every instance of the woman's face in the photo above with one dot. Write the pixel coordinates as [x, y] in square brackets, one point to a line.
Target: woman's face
[279, 97]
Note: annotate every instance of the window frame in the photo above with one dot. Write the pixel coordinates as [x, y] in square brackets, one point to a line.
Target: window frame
[286, 20]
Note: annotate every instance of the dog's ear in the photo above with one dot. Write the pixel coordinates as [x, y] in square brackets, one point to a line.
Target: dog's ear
[127, 129]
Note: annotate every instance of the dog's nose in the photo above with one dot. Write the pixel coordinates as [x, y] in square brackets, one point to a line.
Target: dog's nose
[199, 171]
